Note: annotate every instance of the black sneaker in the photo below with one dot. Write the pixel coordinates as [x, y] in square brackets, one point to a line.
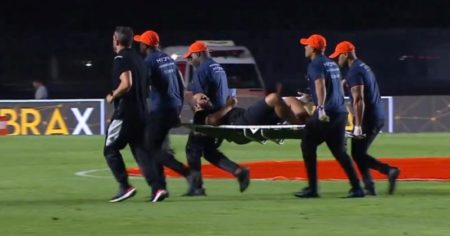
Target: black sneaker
[194, 180]
[307, 193]
[392, 177]
[123, 194]
[355, 193]
[370, 191]
[198, 192]
[243, 179]
[160, 195]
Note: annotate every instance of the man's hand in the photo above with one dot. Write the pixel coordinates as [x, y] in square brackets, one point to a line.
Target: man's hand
[232, 101]
[109, 98]
[322, 115]
[357, 132]
[305, 98]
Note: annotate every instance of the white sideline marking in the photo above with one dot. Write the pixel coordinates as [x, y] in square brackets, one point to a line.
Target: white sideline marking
[89, 173]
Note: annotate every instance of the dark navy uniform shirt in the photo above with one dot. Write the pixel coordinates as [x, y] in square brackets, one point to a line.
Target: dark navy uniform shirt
[132, 104]
[323, 67]
[167, 91]
[210, 78]
[361, 74]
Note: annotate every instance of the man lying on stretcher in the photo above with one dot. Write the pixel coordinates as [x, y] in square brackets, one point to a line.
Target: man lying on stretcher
[270, 110]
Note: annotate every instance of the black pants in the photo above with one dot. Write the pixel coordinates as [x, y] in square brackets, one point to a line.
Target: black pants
[333, 134]
[156, 136]
[120, 133]
[199, 145]
[363, 160]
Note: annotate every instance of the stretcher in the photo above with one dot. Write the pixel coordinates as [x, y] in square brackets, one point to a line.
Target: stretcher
[243, 134]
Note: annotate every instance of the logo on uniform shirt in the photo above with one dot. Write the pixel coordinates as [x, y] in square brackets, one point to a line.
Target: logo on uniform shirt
[163, 59]
[216, 68]
[333, 69]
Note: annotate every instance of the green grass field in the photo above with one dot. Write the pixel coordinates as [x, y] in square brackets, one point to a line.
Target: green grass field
[41, 195]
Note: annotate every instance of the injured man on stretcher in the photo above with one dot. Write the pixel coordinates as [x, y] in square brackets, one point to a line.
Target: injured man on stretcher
[270, 110]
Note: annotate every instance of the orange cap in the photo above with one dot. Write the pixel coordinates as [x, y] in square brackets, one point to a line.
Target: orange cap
[342, 47]
[316, 41]
[149, 38]
[197, 46]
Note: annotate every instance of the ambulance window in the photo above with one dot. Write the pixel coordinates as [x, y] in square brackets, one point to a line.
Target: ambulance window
[242, 76]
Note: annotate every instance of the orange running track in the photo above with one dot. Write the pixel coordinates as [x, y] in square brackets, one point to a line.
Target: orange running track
[432, 168]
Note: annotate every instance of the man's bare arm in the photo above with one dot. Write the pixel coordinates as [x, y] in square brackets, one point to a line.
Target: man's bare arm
[216, 117]
[321, 91]
[358, 103]
[125, 85]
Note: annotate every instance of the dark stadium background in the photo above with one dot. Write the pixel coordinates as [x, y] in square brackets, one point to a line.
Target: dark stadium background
[407, 43]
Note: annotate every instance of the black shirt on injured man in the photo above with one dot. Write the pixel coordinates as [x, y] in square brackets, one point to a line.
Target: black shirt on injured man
[229, 119]
[257, 114]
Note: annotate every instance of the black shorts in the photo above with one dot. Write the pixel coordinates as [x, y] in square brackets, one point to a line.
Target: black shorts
[158, 127]
[258, 114]
[122, 132]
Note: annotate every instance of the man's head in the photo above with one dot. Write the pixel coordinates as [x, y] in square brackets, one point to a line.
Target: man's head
[201, 102]
[197, 53]
[122, 38]
[147, 40]
[345, 52]
[37, 83]
[314, 45]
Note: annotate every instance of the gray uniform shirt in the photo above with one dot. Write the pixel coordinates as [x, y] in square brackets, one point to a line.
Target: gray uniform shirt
[41, 93]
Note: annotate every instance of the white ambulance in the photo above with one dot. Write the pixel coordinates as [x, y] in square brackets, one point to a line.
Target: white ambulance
[242, 72]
